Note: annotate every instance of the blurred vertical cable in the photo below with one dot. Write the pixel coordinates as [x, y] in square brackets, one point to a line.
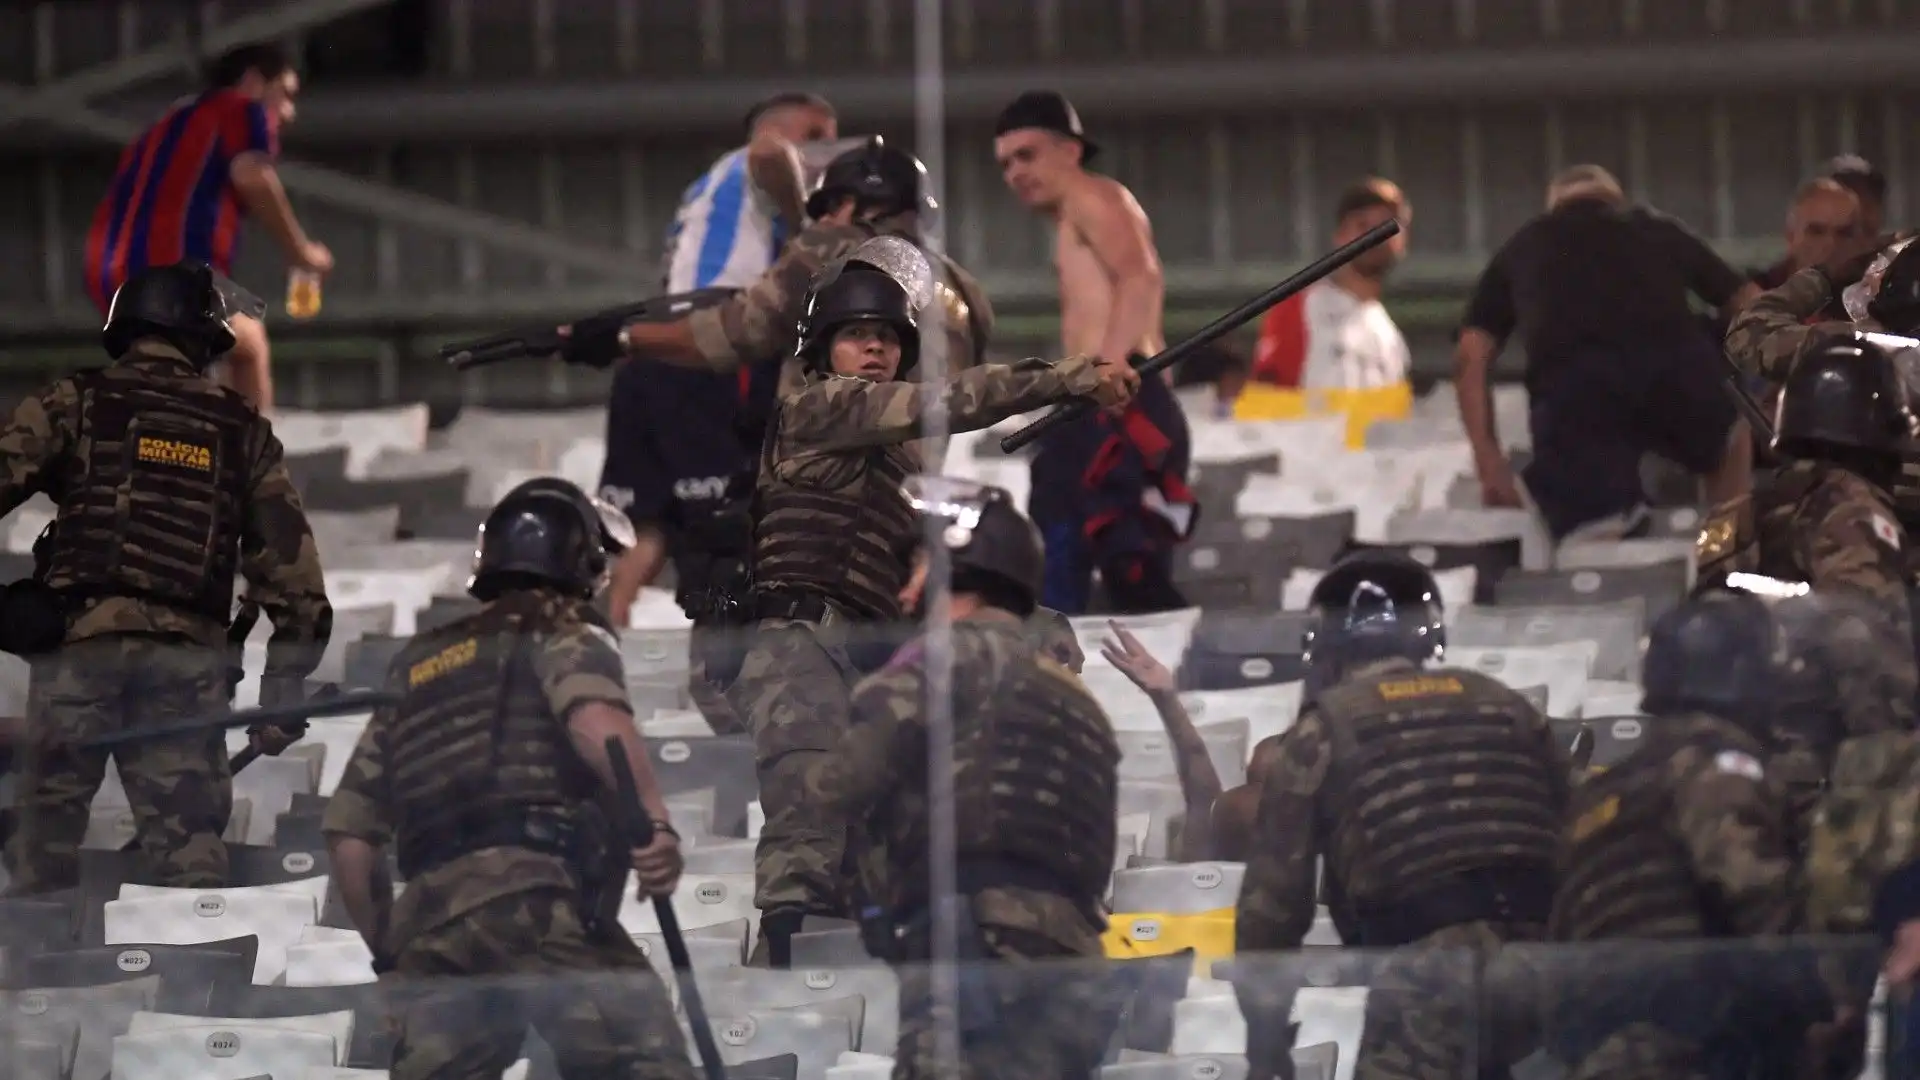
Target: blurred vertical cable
[930, 138]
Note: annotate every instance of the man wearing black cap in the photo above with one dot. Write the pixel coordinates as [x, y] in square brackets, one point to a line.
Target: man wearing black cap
[1109, 492]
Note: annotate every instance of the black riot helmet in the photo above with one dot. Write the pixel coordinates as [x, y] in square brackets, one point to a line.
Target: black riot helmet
[548, 532]
[1896, 304]
[886, 279]
[994, 551]
[1848, 396]
[879, 177]
[181, 303]
[1373, 605]
[1713, 654]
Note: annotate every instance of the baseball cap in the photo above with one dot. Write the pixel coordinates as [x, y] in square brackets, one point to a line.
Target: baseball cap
[1048, 110]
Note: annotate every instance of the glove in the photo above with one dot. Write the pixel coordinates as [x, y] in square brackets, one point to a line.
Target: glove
[272, 740]
[594, 342]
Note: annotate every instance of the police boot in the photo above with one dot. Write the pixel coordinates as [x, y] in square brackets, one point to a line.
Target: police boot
[773, 948]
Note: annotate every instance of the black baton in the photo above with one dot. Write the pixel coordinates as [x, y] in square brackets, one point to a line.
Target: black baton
[344, 704]
[1743, 401]
[637, 829]
[1218, 328]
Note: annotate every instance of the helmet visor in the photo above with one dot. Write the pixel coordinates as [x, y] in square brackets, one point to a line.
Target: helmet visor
[616, 528]
[906, 264]
[1857, 296]
[237, 300]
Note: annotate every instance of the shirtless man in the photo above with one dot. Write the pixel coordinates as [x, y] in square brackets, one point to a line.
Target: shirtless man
[1111, 296]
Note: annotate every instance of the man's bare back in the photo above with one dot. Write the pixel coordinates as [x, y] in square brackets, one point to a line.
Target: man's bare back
[1100, 234]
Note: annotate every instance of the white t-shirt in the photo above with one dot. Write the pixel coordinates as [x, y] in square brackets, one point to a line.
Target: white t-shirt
[1348, 343]
[726, 232]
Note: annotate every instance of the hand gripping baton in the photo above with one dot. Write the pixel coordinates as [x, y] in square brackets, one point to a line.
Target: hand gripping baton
[636, 828]
[1218, 328]
[341, 705]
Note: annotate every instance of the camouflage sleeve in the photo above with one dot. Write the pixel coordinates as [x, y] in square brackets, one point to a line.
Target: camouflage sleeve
[1277, 896]
[760, 322]
[40, 430]
[1771, 332]
[358, 807]
[847, 414]
[880, 741]
[577, 663]
[1852, 552]
[1732, 825]
[1277, 899]
[282, 565]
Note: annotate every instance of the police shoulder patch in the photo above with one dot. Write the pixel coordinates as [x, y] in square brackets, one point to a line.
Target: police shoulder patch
[1738, 763]
[1884, 530]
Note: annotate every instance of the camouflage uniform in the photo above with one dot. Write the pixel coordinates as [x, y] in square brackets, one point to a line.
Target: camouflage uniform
[1391, 776]
[1773, 332]
[132, 661]
[1052, 633]
[1823, 525]
[1035, 800]
[758, 324]
[1685, 839]
[832, 526]
[462, 758]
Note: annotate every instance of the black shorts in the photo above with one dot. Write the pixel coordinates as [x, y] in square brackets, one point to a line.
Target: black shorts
[1595, 414]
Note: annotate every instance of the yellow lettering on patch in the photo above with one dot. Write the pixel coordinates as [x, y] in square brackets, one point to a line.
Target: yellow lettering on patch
[184, 455]
[1597, 818]
[450, 659]
[1425, 686]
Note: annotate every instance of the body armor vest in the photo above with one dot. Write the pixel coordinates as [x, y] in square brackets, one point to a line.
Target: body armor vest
[1627, 875]
[1435, 774]
[153, 500]
[473, 740]
[1036, 781]
[849, 546]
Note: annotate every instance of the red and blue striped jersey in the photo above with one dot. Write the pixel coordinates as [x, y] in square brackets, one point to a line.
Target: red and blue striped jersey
[171, 197]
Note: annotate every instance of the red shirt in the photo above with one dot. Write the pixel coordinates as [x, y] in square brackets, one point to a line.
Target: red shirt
[172, 198]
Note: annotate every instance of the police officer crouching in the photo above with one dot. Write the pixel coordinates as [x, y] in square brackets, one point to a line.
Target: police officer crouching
[168, 486]
[834, 540]
[488, 779]
[1827, 520]
[1436, 799]
[1036, 789]
[1686, 839]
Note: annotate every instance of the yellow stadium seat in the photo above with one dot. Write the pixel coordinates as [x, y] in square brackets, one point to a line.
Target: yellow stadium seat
[1208, 933]
[1361, 407]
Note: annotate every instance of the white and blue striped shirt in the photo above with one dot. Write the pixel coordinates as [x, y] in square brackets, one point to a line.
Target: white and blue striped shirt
[726, 232]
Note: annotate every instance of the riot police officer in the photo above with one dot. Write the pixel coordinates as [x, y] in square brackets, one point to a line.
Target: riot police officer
[488, 779]
[1826, 519]
[168, 486]
[1685, 839]
[875, 190]
[1436, 798]
[1031, 859]
[834, 537]
[1879, 288]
